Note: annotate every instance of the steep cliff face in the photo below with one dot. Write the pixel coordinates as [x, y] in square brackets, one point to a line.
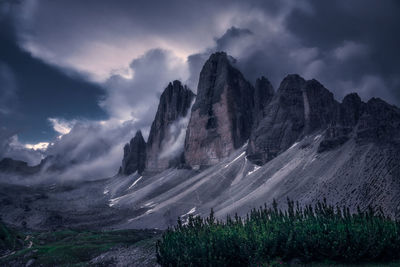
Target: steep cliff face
[134, 155]
[283, 122]
[299, 107]
[263, 94]
[373, 122]
[342, 126]
[222, 115]
[166, 138]
[379, 122]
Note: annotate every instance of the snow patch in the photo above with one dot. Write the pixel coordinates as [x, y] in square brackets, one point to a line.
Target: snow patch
[149, 205]
[245, 144]
[114, 201]
[317, 137]
[238, 157]
[193, 210]
[135, 182]
[295, 144]
[254, 170]
[149, 211]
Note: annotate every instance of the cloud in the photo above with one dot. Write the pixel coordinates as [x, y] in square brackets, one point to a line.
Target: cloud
[356, 41]
[39, 146]
[349, 50]
[117, 32]
[133, 49]
[89, 150]
[136, 98]
[177, 133]
[10, 147]
[310, 38]
[61, 126]
[94, 149]
[271, 38]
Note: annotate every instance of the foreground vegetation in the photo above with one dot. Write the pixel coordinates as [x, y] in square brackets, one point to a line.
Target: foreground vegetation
[63, 248]
[9, 239]
[269, 236]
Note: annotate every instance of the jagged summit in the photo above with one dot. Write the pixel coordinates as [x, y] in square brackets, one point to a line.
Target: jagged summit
[166, 138]
[228, 111]
[222, 115]
[134, 155]
[307, 146]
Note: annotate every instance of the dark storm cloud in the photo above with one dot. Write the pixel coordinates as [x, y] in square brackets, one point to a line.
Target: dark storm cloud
[348, 46]
[43, 91]
[118, 31]
[226, 42]
[373, 25]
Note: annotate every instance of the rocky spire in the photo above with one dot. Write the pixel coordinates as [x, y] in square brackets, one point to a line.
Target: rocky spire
[222, 115]
[320, 107]
[283, 123]
[299, 107]
[166, 138]
[134, 155]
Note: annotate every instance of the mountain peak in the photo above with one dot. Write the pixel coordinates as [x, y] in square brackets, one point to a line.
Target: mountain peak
[164, 148]
[352, 98]
[222, 115]
[138, 135]
[134, 155]
[219, 55]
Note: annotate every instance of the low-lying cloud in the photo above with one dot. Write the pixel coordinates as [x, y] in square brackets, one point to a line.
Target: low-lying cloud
[174, 145]
[11, 147]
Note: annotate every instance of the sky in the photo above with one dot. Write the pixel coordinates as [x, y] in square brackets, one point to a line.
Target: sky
[78, 78]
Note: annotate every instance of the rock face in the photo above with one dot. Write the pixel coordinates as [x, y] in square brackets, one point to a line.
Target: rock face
[299, 107]
[342, 126]
[134, 155]
[379, 122]
[166, 138]
[263, 94]
[222, 115]
[373, 122]
[11, 166]
[229, 111]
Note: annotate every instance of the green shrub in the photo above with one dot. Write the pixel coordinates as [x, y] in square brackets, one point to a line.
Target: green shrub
[8, 239]
[310, 234]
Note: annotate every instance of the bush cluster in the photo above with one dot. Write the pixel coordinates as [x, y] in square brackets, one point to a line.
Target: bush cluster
[310, 234]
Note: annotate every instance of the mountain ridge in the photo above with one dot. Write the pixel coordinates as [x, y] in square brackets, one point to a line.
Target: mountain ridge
[300, 143]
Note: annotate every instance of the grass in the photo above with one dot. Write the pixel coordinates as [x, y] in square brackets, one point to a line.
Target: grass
[9, 239]
[270, 237]
[72, 247]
